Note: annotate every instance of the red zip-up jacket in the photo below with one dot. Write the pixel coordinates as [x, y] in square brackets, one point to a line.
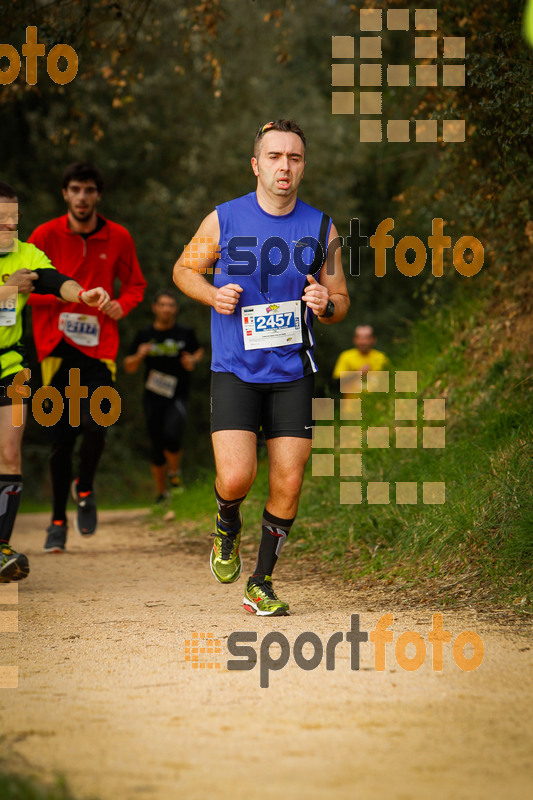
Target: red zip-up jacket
[107, 255]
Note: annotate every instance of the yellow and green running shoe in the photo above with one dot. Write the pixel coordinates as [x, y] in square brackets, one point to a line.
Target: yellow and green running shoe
[13, 566]
[261, 599]
[225, 559]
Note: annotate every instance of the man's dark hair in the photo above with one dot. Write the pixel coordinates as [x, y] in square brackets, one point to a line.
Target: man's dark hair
[7, 191]
[166, 293]
[83, 171]
[283, 125]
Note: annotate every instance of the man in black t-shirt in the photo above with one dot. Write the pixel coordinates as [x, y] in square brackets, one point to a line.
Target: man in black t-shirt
[170, 353]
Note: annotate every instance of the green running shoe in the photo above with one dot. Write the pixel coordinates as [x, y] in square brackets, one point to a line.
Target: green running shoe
[13, 566]
[261, 599]
[225, 559]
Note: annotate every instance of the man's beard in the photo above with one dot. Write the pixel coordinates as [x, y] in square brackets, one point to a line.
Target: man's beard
[81, 216]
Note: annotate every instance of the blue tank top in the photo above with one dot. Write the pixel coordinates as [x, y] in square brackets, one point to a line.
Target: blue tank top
[269, 256]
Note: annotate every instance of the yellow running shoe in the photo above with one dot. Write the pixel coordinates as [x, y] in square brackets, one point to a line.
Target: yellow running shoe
[13, 566]
[261, 599]
[225, 559]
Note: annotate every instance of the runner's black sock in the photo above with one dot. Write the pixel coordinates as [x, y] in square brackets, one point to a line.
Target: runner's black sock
[228, 511]
[92, 447]
[274, 533]
[10, 491]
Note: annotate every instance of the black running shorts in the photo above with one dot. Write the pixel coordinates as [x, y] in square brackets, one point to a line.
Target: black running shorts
[280, 409]
[93, 374]
[165, 423]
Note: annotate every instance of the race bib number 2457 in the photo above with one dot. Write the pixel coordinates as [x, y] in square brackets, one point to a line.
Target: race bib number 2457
[272, 325]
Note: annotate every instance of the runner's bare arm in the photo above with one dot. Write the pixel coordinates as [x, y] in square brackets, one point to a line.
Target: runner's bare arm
[50, 280]
[133, 362]
[190, 360]
[195, 261]
[72, 292]
[331, 285]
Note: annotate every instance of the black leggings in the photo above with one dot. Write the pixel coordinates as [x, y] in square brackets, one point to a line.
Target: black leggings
[165, 423]
[63, 435]
[92, 446]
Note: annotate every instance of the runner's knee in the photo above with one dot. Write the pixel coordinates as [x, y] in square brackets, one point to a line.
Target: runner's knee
[235, 483]
[287, 484]
[10, 458]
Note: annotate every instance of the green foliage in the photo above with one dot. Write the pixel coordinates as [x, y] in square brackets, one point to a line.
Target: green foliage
[486, 522]
[16, 787]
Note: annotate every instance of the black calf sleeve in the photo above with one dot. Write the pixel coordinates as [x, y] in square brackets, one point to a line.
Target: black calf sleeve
[228, 511]
[274, 532]
[10, 492]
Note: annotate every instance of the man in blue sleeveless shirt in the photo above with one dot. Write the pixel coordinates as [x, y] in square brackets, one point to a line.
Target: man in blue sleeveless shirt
[271, 280]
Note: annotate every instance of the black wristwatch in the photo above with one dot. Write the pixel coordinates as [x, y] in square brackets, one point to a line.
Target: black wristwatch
[330, 309]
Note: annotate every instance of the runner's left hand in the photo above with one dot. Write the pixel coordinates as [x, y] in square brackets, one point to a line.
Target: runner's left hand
[187, 361]
[97, 297]
[114, 310]
[23, 279]
[315, 296]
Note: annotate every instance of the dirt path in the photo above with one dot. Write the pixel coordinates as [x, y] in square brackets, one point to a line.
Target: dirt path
[107, 697]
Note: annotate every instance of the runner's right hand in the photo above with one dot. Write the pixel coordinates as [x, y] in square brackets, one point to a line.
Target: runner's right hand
[96, 297]
[144, 349]
[227, 298]
[23, 279]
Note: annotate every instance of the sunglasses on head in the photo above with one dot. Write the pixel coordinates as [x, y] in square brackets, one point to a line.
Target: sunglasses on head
[265, 128]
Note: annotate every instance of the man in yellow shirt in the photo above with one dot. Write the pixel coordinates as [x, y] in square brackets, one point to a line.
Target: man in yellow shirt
[23, 269]
[361, 358]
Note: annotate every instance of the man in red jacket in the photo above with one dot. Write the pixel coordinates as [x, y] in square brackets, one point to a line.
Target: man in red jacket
[88, 248]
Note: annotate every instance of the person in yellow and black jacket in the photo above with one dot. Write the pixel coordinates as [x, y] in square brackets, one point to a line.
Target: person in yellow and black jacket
[359, 361]
[23, 269]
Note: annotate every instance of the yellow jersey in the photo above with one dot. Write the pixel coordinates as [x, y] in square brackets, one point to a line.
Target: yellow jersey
[28, 256]
[352, 361]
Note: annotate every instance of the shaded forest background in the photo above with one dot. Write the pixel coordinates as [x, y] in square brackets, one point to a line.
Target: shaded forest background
[166, 102]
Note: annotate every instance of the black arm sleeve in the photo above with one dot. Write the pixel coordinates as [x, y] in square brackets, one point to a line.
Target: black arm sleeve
[49, 281]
